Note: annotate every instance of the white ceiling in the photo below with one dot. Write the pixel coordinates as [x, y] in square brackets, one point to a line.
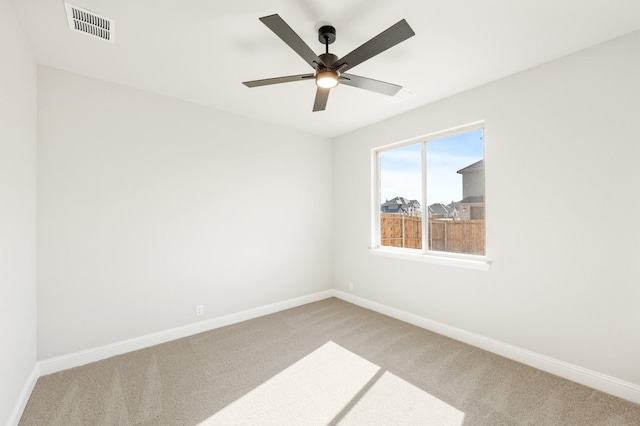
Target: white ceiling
[201, 50]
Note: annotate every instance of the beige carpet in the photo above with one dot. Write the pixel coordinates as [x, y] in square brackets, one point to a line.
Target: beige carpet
[325, 363]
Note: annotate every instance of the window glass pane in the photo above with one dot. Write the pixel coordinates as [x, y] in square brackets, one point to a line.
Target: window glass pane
[455, 193]
[400, 197]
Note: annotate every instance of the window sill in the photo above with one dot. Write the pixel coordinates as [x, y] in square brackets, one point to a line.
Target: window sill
[416, 255]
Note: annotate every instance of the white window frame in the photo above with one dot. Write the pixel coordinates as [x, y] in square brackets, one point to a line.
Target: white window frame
[469, 261]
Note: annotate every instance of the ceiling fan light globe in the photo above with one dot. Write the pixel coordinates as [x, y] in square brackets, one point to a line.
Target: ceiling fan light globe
[327, 79]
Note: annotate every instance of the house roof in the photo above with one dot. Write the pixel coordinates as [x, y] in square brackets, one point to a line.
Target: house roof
[472, 199]
[400, 204]
[439, 208]
[391, 206]
[478, 165]
[401, 201]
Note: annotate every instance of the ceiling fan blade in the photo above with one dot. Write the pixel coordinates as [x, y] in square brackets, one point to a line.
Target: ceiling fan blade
[369, 84]
[284, 31]
[388, 38]
[277, 80]
[321, 99]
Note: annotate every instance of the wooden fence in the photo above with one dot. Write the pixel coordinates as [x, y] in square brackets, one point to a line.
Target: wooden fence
[454, 236]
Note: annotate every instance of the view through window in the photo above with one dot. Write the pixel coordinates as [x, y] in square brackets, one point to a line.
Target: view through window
[451, 176]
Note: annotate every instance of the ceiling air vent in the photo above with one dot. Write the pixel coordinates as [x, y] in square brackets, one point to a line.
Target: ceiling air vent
[87, 22]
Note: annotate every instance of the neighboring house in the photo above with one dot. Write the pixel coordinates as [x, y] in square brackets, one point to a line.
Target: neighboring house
[401, 205]
[472, 204]
[440, 211]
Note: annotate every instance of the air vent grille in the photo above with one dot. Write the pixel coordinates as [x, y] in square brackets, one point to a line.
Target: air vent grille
[87, 22]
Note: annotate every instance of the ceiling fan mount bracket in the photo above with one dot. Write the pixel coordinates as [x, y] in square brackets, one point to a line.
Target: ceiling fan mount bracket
[326, 34]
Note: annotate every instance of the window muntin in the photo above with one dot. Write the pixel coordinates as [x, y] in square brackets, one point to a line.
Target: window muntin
[446, 170]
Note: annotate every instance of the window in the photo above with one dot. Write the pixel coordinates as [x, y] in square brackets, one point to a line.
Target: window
[429, 195]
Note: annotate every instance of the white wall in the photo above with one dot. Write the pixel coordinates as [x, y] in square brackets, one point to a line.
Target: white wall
[563, 197]
[148, 206]
[17, 212]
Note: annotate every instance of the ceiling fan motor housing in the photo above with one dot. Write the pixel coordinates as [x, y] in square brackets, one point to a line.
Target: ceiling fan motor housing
[328, 58]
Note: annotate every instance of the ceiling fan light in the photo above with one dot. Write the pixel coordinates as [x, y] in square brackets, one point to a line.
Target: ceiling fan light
[327, 79]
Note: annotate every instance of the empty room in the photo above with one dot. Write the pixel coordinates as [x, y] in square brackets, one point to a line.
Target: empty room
[305, 212]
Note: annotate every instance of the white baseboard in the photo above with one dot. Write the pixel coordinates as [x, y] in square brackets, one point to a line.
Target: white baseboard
[593, 379]
[24, 396]
[77, 359]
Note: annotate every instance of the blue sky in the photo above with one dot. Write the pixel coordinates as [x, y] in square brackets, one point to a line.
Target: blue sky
[400, 169]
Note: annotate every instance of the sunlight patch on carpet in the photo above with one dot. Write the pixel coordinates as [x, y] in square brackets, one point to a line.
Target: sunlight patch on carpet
[393, 401]
[317, 389]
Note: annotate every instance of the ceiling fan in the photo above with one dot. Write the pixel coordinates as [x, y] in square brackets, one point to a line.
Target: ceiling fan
[328, 69]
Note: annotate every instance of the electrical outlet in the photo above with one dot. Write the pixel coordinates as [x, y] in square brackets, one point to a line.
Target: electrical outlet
[350, 286]
[199, 310]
